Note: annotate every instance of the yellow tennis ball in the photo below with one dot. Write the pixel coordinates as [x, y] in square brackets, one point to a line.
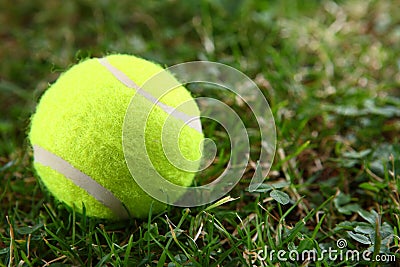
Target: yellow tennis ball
[76, 135]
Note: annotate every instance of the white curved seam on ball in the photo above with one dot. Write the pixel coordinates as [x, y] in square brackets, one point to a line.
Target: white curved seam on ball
[191, 121]
[80, 179]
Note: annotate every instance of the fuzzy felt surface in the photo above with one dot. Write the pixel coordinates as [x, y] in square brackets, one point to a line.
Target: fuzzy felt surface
[80, 118]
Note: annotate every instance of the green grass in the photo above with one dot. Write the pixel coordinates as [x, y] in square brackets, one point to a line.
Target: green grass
[331, 73]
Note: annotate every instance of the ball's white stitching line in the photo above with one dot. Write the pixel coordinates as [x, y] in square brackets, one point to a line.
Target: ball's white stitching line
[80, 179]
[191, 121]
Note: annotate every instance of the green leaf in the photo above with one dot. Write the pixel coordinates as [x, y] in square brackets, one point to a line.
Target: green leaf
[341, 199]
[220, 202]
[29, 229]
[349, 209]
[360, 238]
[128, 250]
[263, 188]
[386, 231]
[25, 258]
[279, 185]
[180, 258]
[305, 244]
[346, 225]
[365, 229]
[345, 110]
[8, 164]
[162, 259]
[4, 250]
[152, 233]
[370, 187]
[280, 196]
[387, 111]
[357, 155]
[371, 217]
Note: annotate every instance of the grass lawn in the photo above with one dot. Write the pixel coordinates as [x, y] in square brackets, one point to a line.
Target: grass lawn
[331, 74]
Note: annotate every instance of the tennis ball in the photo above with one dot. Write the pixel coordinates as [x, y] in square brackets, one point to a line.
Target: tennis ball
[76, 135]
